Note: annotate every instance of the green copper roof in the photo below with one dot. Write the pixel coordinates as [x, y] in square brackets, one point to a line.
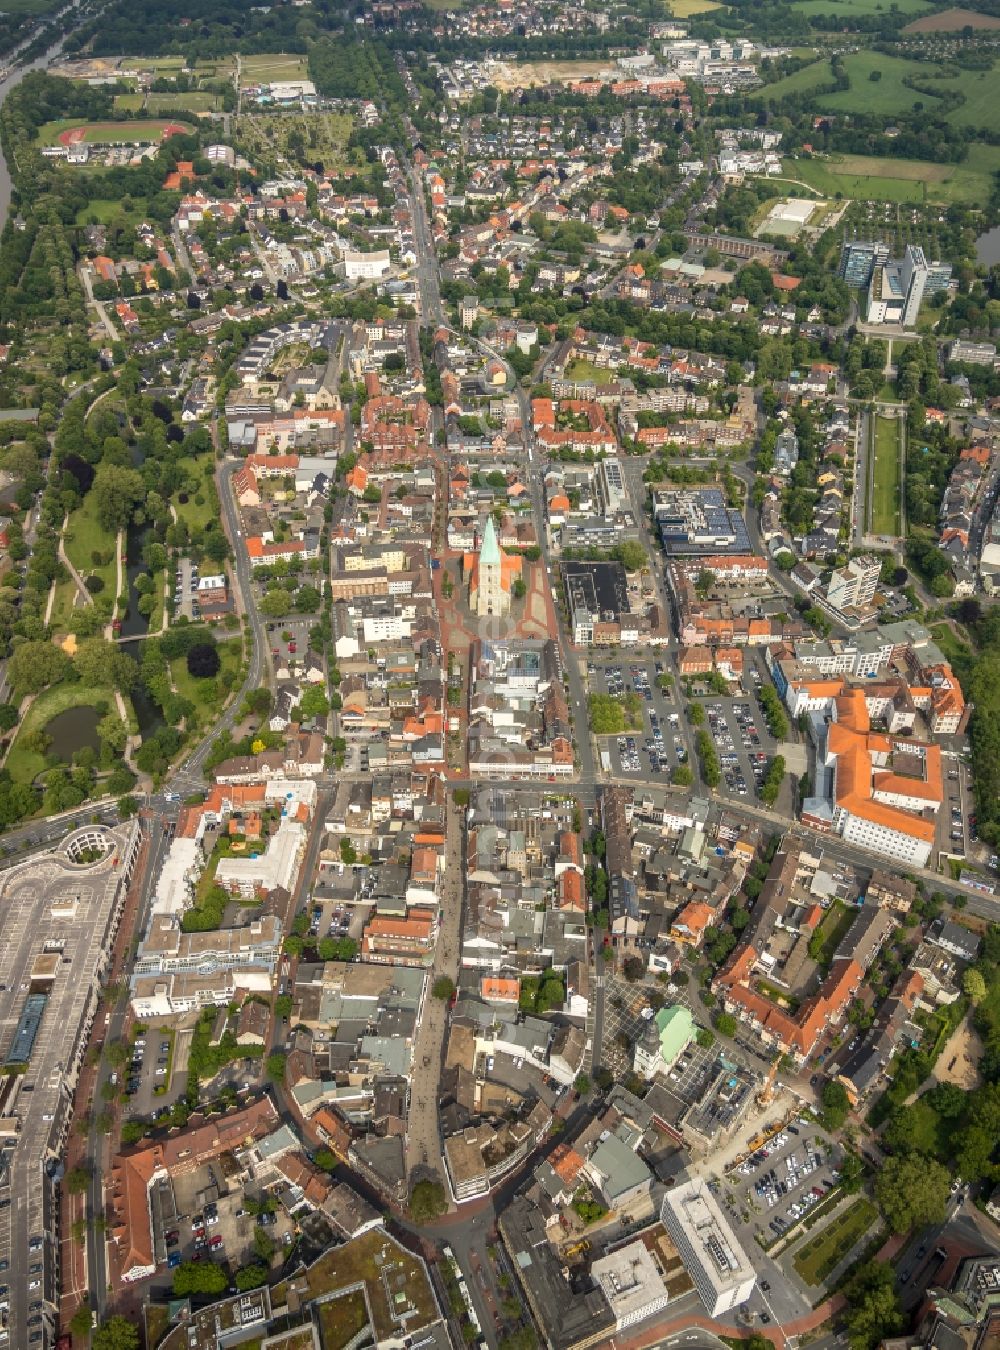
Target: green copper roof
[489, 551]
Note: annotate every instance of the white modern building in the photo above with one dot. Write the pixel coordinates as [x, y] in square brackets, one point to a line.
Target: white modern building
[718, 1265]
[366, 266]
[632, 1284]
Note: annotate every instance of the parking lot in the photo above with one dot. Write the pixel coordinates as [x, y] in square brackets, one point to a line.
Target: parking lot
[743, 743]
[185, 588]
[661, 743]
[776, 1187]
[155, 1075]
[196, 1219]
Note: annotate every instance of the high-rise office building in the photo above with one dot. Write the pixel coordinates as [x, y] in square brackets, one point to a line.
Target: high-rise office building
[858, 259]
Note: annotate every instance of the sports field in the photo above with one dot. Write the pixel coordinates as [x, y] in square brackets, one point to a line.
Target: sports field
[193, 101]
[886, 483]
[272, 69]
[142, 131]
[871, 178]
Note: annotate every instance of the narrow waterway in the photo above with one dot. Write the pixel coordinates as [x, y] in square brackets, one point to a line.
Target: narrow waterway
[11, 82]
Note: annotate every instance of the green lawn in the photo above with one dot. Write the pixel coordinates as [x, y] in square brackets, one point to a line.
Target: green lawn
[980, 108]
[104, 209]
[197, 514]
[872, 178]
[582, 370]
[821, 1254]
[208, 693]
[809, 77]
[25, 765]
[888, 95]
[128, 103]
[84, 538]
[273, 69]
[195, 101]
[832, 928]
[886, 485]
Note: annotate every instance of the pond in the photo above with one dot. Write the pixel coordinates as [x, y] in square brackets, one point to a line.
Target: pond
[988, 247]
[72, 730]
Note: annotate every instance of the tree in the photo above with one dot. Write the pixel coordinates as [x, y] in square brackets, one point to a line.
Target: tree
[77, 1180]
[974, 986]
[632, 556]
[118, 1333]
[582, 1084]
[98, 662]
[873, 1308]
[836, 1105]
[326, 1159]
[117, 491]
[725, 1024]
[912, 1190]
[8, 716]
[276, 1066]
[427, 1201]
[851, 1172]
[203, 661]
[696, 714]
[33, 666]
[79, 1323]
[250, 1277]
[633, 968]
[314, 702]
[705, 1038]
[443, 988]
[199, 1277]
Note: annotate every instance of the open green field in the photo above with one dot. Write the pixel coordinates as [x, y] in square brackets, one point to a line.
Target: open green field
[859, 8]
[86, 538]
[873, 178]
[131, 103]
[270, 69]
[194, 101]
[103, 209]
[822, 1254]
[804, 80]
[202, 505]
[208, 693]
[888, 95]
[25, 765]
[886, 484]
[581, 369]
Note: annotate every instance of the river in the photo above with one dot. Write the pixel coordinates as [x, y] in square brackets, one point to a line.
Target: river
[11, 82]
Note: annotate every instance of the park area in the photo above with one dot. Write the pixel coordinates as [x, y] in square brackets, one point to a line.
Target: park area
[307, 138]
[886, 478]
[819, 1257]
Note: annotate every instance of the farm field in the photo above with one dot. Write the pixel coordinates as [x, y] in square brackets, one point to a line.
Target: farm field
[683, 9]
[821, 1254]
[887, 95]
[856, 8]
[886, 483]
[871, 178]
[268, 69]
[950, 21]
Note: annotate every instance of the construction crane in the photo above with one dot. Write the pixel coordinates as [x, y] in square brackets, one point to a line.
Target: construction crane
[767, 1088]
